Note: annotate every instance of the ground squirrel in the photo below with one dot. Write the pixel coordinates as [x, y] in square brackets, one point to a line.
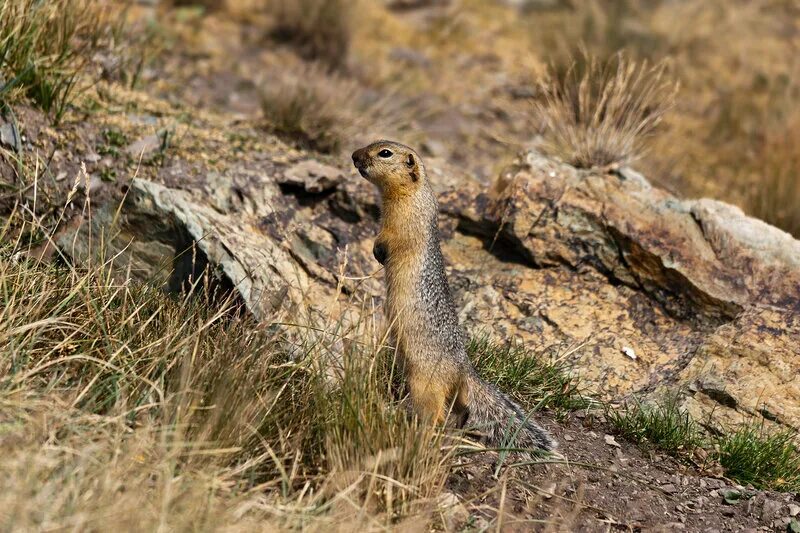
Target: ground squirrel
[419, 307]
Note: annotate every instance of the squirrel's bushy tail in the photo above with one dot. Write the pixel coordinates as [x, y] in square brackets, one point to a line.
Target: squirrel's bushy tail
[501, 420]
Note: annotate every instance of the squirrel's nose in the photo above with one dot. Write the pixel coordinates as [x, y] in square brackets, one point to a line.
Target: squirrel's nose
[357, 157]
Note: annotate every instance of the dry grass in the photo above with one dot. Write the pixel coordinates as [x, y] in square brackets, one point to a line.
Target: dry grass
[46, 46]
[733, 91]
[121, 406]
[601, 113]
[324, 111]
[775, 196]
[208, 5]
[320, 30]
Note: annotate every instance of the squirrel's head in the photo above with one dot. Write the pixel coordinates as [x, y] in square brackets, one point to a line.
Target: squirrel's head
[394, 168]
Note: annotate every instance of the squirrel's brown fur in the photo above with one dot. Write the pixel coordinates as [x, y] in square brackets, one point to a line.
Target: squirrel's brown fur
[422, 317]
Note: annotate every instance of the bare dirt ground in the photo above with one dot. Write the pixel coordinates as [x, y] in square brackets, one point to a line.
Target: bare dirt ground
[607, 484]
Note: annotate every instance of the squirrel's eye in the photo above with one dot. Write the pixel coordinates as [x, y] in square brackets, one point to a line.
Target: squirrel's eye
[385, 153]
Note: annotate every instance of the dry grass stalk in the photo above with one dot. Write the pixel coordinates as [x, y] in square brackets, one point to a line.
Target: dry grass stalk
[208, 5]
[122, 406]
[776, 194]
[601, 113]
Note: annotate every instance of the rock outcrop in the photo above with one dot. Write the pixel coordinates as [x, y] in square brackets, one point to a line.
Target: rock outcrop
[663, 292]
[638, 290]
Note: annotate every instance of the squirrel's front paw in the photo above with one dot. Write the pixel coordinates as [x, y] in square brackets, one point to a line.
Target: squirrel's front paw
[381, 252]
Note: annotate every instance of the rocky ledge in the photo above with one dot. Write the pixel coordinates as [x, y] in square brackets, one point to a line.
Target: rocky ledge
[638, 290]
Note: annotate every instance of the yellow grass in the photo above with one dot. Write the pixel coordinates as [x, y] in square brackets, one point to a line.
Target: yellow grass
[601, 113]
[123, 407]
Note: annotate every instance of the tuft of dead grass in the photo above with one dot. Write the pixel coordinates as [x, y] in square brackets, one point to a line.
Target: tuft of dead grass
[734, 92]
[323, 111]
[46, 46]
[600, 113]
[320, 30]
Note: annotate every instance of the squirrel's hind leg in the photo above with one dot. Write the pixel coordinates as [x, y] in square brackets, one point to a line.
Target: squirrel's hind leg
[428, 398]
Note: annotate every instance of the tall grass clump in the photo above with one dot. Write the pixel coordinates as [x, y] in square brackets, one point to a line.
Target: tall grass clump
[600, 113]
[767, 460]
[662, 425]
[45, 46]
[320, 30]
[122, 406]
[527, 376]
[323, 111]
[389, 461]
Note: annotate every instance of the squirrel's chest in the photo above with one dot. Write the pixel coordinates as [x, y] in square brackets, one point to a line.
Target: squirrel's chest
[403, 277]
[403, 248]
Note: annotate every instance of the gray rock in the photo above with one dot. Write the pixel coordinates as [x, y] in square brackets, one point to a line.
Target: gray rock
[669, 488]
[771, 510]
[549, 255]
[144, 147]
[701, 260]
[312, 176]
[10, 137]
[713, 483]
[453, 511]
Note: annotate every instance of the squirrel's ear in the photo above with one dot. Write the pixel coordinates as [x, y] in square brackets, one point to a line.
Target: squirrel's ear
[412, 165]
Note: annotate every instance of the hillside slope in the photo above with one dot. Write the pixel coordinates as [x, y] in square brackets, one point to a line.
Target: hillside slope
[263, 402]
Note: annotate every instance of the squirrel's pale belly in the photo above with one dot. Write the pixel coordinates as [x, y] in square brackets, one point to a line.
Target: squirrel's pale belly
[402, 300]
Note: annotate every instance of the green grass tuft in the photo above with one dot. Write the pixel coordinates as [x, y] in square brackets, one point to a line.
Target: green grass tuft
[750, 455]
[663, 425]
[767, 460]
[526, 376]
[45, 46]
